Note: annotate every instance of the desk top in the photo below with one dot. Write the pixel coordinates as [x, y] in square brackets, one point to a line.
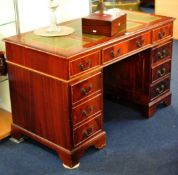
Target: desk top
[71, 45]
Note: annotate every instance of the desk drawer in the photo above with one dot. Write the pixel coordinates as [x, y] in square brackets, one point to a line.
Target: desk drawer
[161, 70]
[87, 130]
[85, 88]
[85, 63]
[160, 88]
[125, 47]
[115, 51]
[162, 53]
[162, 32]
[87, 109]
[139, 41]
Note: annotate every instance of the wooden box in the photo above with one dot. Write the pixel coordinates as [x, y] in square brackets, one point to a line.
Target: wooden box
[109, 23]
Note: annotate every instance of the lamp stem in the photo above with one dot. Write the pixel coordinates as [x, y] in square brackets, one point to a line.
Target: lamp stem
[53, 20]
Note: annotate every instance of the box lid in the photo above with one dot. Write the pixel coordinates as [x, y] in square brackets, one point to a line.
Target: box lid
[108, 15]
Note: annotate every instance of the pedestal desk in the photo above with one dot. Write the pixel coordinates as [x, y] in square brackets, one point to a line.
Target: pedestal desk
[57, 83]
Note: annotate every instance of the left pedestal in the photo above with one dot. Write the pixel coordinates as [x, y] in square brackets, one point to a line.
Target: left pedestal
[5, 123]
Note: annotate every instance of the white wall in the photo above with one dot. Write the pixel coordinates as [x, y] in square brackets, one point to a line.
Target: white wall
[168, 8]
[35, 13]
[7, 28]
[4, 96]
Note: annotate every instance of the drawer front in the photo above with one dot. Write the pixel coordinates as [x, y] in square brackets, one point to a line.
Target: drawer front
[114, 51]
[85, 88]
[162, 53]
[84, 111]
[161, 71]
[162, 32]
[125, 47]
[160, 88]
[84, 63]
[87, 130]
[140, 41]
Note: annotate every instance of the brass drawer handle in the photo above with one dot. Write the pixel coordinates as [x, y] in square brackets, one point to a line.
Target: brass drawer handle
[85, 66]
[159, 55]
[86, 91]
[112, 53]
[160, 89]
[161, 72]
[87, 112]
[87, 132]
[117, 53]
[161, 34]
[162, 54]
[140, 43]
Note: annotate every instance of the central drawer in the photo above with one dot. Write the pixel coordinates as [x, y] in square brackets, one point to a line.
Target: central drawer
[139, 41]
[124, 47]
[114, 51]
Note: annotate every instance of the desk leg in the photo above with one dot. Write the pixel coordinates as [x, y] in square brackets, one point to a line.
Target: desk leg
[71, 158]
[16, 135]
[152, 106]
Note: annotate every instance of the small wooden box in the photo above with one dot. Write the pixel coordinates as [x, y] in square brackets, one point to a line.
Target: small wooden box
[111, 22]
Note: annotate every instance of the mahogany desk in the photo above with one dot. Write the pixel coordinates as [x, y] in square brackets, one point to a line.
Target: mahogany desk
[57, 83]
